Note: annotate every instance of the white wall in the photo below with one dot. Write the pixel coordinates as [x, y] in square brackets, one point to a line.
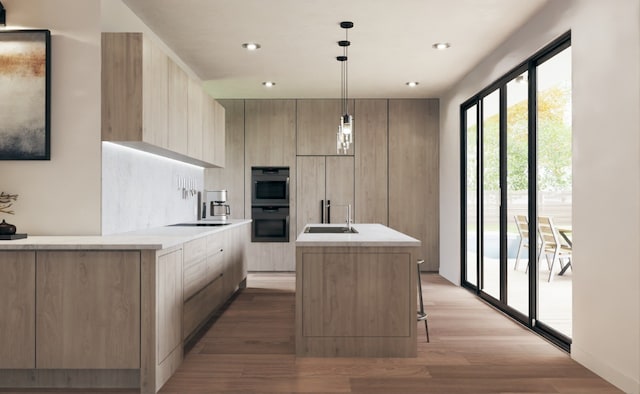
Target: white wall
[606, 173]
[62, 196]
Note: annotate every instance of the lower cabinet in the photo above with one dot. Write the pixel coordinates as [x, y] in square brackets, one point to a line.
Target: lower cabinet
[18, 310]
[111, 318]
[220, 271]
[169, 304]
[76, 287]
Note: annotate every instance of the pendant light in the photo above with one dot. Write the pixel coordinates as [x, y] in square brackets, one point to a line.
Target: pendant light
[345, 128]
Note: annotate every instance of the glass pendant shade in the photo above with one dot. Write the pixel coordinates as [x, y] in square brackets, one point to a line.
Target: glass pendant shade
[345, 134]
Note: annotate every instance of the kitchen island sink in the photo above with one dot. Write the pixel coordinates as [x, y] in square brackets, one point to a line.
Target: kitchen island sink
[330, 230]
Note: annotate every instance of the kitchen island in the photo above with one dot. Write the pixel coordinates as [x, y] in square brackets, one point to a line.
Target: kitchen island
[356, 293]
[112, 311]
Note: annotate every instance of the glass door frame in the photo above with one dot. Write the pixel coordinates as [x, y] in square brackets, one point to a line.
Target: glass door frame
[529, 66]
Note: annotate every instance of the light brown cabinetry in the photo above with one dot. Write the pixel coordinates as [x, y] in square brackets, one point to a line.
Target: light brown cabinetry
[371, 162]
[413, 174]
[213, 131]
[169, 298]
[74, 288]
[317, 125]
[325, 188]
[270, 134]
[355, 301]
[145, 103]
[178, 110]
[195, 119]
[231, 178]
[221, 263]
[17, 308]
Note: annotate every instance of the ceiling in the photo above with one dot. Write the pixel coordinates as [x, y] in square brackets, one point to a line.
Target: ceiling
[391, 43]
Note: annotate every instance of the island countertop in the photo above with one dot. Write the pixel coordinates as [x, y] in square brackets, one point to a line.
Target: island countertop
[369, 234]
[152, 238]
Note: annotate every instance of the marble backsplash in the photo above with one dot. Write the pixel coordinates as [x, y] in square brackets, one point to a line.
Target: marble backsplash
[142, 190]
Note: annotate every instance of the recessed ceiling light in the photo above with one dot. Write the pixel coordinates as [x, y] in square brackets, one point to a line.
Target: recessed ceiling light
[251, 46]
[441, 46]
[412, 84]
[269, 84]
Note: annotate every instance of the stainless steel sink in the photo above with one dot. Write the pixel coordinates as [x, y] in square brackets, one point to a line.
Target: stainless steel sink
[199, 224]
[330, 230]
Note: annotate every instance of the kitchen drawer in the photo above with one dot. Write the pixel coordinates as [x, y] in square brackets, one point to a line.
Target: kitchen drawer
[195, 277]
[194, 251]
[200, 306]
[215, 255]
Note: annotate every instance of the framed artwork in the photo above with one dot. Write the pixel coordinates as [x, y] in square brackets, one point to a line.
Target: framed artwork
[25, 91]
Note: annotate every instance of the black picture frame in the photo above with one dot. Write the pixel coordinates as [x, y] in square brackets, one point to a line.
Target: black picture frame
[25, 95]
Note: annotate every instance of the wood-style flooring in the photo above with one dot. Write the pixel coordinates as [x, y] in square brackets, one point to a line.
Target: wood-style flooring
[473, 349]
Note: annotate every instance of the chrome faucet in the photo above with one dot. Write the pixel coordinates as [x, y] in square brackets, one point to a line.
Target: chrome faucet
[348, 221]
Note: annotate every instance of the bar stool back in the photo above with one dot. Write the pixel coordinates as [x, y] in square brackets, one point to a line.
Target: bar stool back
[422, 316]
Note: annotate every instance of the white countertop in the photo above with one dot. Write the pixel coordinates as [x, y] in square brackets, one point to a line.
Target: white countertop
[368, 235]
[153, 238]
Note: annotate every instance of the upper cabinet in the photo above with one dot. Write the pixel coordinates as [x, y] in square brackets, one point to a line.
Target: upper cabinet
[150, 103]
[317, 122]
[213, 130]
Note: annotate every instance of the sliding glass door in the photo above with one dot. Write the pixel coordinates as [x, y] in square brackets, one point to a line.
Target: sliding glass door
[516, 172]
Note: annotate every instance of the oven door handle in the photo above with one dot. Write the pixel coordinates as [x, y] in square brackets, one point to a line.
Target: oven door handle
[270, 210]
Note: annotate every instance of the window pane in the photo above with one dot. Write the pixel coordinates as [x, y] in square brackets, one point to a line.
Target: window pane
[554, 188]
[472, 194]
[491, 194]
[517, 193]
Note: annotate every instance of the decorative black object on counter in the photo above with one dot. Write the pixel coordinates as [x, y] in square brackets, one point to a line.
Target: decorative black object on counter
[7, 228]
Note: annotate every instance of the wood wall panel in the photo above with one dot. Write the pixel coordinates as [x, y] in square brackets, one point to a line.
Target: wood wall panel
[18, 310]
[414, 174]
[88, 310]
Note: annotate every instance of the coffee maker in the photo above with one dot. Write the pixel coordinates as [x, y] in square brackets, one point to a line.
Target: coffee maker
[215, 207]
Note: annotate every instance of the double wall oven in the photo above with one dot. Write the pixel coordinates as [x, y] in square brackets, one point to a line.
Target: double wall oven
[270, 204]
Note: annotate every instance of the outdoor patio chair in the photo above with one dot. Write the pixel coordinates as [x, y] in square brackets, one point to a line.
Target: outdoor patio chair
[522, 223]
[552, 244]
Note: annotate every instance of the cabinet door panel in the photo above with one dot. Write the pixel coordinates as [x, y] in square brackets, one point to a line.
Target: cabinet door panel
[18, 310]
[195, 120]
[340, 187]
[169, 303]
[371, 159]
[413, 174]
[88, 310]
[356, 294]
[155, 95]
[177, 110]
[311, 189]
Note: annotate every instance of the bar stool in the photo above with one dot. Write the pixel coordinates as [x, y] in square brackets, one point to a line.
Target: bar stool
[421, 313]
